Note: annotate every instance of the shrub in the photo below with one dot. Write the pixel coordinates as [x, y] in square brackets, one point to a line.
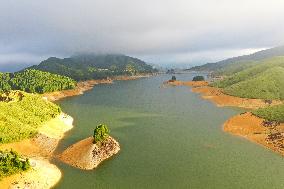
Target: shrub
[198, 78]
[101, 132]
[11, 162]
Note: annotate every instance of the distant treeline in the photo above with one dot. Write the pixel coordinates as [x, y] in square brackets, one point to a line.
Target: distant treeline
[35, 81]
[92, 66]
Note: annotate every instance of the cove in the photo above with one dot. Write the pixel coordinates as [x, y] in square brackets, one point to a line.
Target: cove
[169, 137]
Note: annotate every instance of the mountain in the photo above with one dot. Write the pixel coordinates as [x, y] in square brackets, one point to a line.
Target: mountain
[93, 66]
[265, 80]
[260, 55]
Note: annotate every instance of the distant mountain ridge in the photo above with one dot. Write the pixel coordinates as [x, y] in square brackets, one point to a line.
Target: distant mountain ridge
[260, 55]
[94, 66]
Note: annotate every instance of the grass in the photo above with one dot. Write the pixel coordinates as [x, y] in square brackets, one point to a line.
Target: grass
[23, 114]
[274, 113]
[263, 81]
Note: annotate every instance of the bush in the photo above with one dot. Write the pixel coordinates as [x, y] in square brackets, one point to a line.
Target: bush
[198, 78]
[11, 162]
[22, 114]
[101, 132]
[273, 113]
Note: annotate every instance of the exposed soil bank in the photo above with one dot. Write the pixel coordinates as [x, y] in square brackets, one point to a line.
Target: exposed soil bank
[86, 155]
[39, 150]
[254, 128]
[269, 134]
[220, 99]
[85, 86]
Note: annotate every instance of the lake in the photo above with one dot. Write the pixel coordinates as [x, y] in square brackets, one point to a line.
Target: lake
[169, 137]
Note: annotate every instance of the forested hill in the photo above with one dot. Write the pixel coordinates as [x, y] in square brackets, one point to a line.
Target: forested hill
[34, 81]
[92, 66]
[260, 55]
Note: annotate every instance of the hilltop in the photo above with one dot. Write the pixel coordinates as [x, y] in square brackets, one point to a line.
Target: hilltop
[243, 60]
[92, 66]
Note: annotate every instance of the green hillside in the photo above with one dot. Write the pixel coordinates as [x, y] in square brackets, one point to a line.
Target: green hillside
[274, 113]
[35, 81]
[260, 55]
[22, 114]
[266, 85]
[90, 66]
[264, 80]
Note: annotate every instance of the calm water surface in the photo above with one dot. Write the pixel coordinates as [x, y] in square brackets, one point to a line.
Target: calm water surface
[169, 137]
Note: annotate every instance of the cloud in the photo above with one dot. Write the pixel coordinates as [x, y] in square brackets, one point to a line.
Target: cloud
[185, 29]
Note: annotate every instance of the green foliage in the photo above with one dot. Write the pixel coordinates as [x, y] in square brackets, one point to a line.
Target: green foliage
[35, 81]
[174, 78]
[273, 113]
[258, 56]
[22, 114]
[264, 80]
[90, 66]
[101, 132]
[11, 163]
[198, 78]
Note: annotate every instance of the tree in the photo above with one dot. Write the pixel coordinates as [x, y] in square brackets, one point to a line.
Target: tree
[101, 132]
[198, 78]
[174, 78]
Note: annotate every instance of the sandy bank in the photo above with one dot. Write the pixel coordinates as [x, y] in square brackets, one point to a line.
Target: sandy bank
[86, 86]
[220, 99]
[39, 149]
[86, 155]
[42, 175]
[254, 128]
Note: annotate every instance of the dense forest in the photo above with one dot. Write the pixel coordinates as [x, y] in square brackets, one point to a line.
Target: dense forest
[30, 111]
[92, 66]
[35, 81]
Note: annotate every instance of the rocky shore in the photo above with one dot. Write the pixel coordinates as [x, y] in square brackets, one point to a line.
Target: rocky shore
[86, 155]
[269, 134]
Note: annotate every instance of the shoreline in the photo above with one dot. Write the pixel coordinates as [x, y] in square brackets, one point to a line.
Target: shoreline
[40, 150]
[84, 86]
[244, 125]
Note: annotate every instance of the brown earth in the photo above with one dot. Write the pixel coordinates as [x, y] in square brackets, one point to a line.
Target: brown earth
[220, 99]
[269, 134]
[86, 155]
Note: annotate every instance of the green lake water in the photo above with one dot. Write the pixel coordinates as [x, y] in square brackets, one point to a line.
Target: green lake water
[169, 137]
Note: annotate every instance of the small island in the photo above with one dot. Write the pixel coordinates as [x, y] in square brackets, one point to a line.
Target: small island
[87, 154]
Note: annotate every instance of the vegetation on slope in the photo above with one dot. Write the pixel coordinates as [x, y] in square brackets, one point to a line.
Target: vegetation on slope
[260, 55]
[268, 85]
[274, 113]
[22, 114]
[101, 132]
[264, 80]
[35, 81]
[11, 163]
[90, 66]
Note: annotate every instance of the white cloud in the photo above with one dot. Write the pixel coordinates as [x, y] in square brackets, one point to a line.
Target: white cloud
[185, 29]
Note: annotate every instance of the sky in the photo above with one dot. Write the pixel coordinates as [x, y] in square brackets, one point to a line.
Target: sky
[157, 31]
